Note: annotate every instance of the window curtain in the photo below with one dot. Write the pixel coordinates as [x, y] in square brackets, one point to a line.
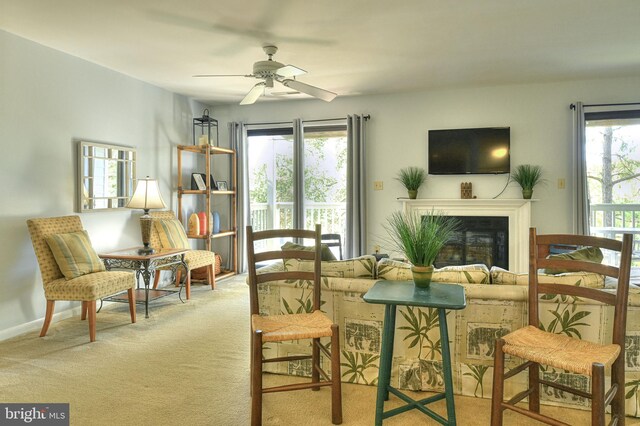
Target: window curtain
[581, 197]
[238, 142]
[356, 199]
[298, 174]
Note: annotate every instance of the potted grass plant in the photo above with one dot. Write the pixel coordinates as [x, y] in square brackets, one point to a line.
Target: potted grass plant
[420, 236]
[527, 176]
[412, 179]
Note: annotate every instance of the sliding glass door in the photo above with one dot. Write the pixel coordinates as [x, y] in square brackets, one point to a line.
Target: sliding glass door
[613, 173]
[275, 176]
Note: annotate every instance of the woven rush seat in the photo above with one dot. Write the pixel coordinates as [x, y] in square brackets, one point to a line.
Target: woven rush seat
[89, 287]
[559, 350]
[277, 328]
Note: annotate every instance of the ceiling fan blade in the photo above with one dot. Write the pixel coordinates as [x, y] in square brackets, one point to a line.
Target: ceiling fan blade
[290, 71]
[224, 75]
[253, 94]
[316, 92]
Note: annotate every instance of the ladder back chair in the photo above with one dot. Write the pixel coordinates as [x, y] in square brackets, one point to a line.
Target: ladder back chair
[86, 285]
[277, 328]
[333, 240]
[561, 352]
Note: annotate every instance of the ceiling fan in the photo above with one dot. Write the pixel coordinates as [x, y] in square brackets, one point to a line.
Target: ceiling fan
[269, 71]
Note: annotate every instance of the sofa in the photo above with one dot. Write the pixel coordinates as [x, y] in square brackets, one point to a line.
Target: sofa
[496, 305]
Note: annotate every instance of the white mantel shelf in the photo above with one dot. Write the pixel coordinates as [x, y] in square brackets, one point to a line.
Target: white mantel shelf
[517, 210]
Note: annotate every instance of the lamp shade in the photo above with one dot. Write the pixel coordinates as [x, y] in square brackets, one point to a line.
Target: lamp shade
[146, 196]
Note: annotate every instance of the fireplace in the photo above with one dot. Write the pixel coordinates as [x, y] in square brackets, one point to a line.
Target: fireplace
[479, 239]
[516, 212]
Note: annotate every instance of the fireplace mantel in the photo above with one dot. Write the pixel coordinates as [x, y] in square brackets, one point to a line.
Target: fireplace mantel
[517, 210]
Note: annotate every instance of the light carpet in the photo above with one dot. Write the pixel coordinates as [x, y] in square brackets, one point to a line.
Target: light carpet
[185, 365]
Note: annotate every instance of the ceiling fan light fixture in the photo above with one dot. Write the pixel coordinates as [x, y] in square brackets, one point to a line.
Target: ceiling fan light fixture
[316, 92]
[288, 71]
[253, 94]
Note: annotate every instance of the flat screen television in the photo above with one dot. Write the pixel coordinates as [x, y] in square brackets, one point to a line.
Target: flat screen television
[469, 151]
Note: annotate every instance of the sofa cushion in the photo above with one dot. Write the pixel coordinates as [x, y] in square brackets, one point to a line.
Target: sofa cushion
[582, 279]
[360, 267]
[74, 254]
[325, 251]
[586, 254]
[399, 271]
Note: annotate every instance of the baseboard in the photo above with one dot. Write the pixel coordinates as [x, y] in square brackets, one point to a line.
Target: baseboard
[36, 325]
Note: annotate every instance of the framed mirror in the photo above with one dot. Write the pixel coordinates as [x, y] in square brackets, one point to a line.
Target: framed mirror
[106, 176]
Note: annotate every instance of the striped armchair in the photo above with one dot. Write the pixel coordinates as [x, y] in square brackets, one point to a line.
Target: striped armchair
[193, 258]
[86, 288]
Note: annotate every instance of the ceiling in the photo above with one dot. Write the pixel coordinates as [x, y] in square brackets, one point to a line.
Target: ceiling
[351, 47]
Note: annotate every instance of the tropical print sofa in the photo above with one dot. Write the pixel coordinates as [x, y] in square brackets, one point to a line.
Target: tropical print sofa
[496, 305]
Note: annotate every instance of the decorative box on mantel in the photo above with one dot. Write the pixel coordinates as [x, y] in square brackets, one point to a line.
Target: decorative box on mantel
[517, 210]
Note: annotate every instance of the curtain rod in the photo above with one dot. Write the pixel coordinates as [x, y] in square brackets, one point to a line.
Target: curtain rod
[573, 106]
[366, 117]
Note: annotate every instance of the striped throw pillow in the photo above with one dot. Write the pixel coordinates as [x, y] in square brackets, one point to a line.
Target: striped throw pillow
[74, 255]
[171, 233]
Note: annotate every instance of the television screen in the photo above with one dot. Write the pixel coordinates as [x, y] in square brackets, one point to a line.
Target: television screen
[469, 151]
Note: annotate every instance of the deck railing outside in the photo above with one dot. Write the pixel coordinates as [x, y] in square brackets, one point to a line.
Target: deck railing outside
[613, 220]
[332, 216]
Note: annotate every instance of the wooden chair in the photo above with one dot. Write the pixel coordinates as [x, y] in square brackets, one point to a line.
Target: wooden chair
[193, 258]
[277, 328]
[333, 240]
[86, 288]
[562, 352]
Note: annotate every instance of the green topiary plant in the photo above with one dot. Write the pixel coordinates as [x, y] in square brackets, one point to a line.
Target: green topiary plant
[527, 176]
[420, 236]
[412, 179]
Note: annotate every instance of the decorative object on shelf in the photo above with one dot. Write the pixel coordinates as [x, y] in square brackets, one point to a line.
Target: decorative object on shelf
[194, 225]
[412, 179]
[146, 196]
[202, 218]
[527, 176]
[222, 185]
[215, 222]
[197, 182]
[466, 190]
[420, 236]
[205, 130]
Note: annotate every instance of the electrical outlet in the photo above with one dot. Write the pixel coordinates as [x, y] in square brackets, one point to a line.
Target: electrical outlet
[377, 185]
[376, 248]
[561, 183]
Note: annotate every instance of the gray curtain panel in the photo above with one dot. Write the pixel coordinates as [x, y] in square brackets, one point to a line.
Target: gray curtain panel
[356, 194]
[581, 189]
[238, 142]
[298, 175]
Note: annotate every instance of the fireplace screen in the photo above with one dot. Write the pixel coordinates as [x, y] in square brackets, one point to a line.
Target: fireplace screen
[478, 240]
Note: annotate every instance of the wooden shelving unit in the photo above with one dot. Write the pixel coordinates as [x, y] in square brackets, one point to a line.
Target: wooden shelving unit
[230, 266]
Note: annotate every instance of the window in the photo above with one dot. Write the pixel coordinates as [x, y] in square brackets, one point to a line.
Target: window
[613, 173]
[272, 170]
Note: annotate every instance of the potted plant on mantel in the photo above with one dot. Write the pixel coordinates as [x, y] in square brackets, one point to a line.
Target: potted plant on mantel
[420, 236]
[527, 176]
[412, 179]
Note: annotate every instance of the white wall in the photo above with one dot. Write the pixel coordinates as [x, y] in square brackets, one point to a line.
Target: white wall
[49, 100]
[541, 133]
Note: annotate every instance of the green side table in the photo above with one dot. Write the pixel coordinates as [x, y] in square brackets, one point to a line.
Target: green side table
[404, 293]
